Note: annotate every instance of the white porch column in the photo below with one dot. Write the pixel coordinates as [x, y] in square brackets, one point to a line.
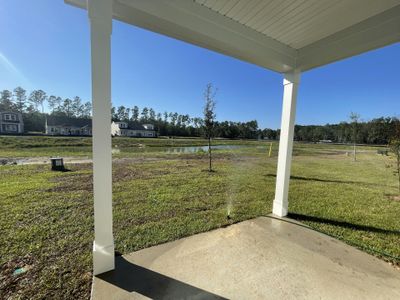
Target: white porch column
[290, 85]
[100, 15]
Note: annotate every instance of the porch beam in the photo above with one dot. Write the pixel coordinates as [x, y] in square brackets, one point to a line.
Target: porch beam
[100, 16]
[290, 86]
[196, 24]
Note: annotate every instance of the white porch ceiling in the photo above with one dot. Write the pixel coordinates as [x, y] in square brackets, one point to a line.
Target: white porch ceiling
[280, 35]
[298, 23]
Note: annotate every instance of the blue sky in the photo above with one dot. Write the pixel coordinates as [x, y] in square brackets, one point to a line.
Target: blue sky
[45, 45]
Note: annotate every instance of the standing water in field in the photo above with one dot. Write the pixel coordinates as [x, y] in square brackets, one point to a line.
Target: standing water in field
[195, 149]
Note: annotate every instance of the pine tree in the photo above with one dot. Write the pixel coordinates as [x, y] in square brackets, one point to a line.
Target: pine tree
[6, 101]
[20, 99]
[135, 114]
[37, 98]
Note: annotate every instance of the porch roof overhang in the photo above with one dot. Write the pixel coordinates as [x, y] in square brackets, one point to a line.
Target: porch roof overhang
[278, 35]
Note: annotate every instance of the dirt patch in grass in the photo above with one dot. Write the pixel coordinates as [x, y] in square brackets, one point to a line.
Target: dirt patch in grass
[80, 178]
[77, 179]
[127, 170]
[393, 197]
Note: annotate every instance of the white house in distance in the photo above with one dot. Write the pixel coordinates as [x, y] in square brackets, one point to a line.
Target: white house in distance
[132, 130]
[11, 123]
[60, 125]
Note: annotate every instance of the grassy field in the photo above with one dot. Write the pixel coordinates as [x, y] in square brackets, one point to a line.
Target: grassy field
[47, 217]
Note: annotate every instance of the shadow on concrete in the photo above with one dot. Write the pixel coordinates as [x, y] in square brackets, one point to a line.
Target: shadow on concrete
[134, 278]
[300, 217]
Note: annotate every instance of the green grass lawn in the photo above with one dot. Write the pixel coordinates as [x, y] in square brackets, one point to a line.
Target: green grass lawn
[47, 217]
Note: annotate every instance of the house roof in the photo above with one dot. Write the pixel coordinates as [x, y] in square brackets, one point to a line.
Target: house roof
[135, 126]
[281, 35]
[68, 122]
[10, 112]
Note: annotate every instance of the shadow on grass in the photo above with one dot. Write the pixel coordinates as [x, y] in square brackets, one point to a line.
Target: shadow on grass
[300, 217]
[134, 278]
[208, 171]
[330, 180]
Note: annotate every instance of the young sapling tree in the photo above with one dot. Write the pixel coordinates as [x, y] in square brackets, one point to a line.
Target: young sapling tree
[209, 118]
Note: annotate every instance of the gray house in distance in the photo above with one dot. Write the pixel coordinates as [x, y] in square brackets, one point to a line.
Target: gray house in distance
[11, 123]
[59, 125]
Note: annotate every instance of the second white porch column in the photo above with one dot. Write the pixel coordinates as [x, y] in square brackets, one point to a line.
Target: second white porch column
[290, 86]
[100, 15]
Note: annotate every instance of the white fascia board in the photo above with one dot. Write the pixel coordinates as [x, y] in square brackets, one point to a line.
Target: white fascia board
[378, 31]
[190, 22]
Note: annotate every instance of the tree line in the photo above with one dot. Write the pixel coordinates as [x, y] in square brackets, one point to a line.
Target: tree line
[377, 131]
[20, 101]
[32, 105]
[175, 124]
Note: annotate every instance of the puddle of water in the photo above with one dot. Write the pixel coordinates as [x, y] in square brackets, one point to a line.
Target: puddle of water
[182, 149]
[195, 149]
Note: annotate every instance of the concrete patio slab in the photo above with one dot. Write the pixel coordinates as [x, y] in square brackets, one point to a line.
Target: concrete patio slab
[263, 258]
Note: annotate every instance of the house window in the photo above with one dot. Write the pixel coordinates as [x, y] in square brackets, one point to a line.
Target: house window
[122, 125]
[10, 117]
[11, 127]
[51, 129]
